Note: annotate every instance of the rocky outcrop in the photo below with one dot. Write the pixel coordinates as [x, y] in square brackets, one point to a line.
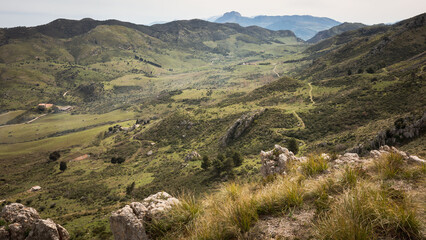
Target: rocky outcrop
[192, 156]
[26, 224]
[128, 222]
[404, 130]
[347, 158]
[126, 225]
[275, 161]
[386, 150]
[240, 126]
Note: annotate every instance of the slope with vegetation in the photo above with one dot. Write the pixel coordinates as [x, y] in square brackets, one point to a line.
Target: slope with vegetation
[145, 98]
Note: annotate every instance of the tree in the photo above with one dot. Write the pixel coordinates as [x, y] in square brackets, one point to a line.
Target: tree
[129, 189]
[349, 72]
[218, 163]
[54, 156]
[63, 166]
[293, 146]
[370, 70]
[360, 71]
[237, 159]
[205, 164]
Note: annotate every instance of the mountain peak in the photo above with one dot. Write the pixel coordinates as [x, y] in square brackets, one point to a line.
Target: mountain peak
[232, 14]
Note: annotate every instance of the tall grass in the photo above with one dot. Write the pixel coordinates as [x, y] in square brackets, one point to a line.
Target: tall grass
[314, 165]
[390, 165]
[367, 212]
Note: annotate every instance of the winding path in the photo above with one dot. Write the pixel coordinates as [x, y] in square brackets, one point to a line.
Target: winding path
[300, 120]
[278, 75]
[310, 93]
[30, 121]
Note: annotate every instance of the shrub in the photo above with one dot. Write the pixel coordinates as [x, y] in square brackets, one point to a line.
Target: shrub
[314, 165]
[349, 72]
[360, 71]
[368, 212]
[63, 166]
[118, 160]
[370, 70]
[129, 189]
[237, 159]
[53, 156]
[205, 164]
[293, 146]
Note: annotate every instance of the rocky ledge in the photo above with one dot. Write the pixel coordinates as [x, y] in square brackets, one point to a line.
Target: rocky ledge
[128, 222]
[24, 223]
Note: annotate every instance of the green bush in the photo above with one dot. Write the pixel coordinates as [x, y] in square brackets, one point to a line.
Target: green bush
[314, 165]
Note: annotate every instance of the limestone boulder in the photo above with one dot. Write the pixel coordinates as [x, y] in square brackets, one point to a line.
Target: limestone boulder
[18, 213]
[125, 225]
[48, 230]
[275, 161]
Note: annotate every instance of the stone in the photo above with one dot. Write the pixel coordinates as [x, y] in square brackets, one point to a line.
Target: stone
[35, 189]
[159, 203]
[240, 126]
[4, 233]
[47, 230]
[149, 153]
[128, 222]
[16, 231]
[416, 159]
[18, 213]
[349, 157]
[192, 156]
[275, 161]
[26, 221]
[125, 225]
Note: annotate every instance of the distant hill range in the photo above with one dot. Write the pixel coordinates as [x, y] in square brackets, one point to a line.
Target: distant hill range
[305, 27]
[344, 27]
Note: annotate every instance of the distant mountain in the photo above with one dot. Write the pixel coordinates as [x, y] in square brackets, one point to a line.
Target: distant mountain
[344, 27]
[305, 27]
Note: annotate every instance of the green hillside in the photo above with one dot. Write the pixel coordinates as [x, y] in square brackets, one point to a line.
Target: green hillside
[217, 89]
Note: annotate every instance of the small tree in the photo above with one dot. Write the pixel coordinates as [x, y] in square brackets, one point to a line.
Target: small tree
[237, 159]
[349, 72]
[63, 166]
[360, 71]
[54, 156]
[370, 70]
[293, 146]
[120, 160]
[205, 164]
[218, 164]
[129, 189]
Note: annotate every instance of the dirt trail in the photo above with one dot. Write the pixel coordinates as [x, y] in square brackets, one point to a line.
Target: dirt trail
[310, 93]
[65, 93]
[300, 120]
[278, 75]
[30, 121]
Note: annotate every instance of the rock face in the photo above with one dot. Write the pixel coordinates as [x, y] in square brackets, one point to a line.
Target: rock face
[24, 220]
[240, 126]
[125, 225]
[128, 222]
[275, 161]
[192, 156]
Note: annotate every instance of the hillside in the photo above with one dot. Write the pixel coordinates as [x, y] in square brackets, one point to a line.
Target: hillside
[150, 109]
[305, 27]
[336, 30]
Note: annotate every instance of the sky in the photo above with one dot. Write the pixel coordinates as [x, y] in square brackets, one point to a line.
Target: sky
[36, 12]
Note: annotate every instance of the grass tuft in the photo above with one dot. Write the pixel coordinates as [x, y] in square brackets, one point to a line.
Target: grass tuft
[315, 164]
[390, 165]
[367, 212]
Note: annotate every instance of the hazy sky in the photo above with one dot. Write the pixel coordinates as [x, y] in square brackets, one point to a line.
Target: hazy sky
[36, 12]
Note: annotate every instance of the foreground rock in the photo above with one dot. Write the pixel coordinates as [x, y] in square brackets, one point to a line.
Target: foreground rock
[128, 222]
[275, 161]
[194, 155]
[25, 223]
[386, 150]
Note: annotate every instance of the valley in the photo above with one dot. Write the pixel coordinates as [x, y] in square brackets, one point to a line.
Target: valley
[152, 95]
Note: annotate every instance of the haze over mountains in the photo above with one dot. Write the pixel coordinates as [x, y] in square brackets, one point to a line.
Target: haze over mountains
[305, 27]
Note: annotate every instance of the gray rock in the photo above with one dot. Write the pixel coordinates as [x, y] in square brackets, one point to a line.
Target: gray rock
[48, 230]
[128, 222]
[275, 161]
[4, 233]
[240, 126]
[18, 213]
[26, 220]
[192, 156]
[416, 159]
[125, 225]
